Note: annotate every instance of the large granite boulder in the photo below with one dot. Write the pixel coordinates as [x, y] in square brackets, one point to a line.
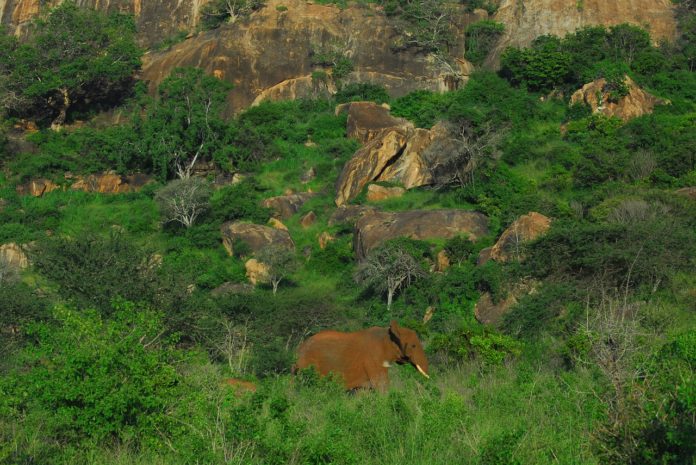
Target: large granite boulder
[368, 163]
[253, 236]
[284, 206]
[374, 228]
[597, 95]
[524, 229]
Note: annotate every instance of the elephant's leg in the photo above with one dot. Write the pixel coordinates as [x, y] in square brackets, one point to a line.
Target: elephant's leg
[378, 377]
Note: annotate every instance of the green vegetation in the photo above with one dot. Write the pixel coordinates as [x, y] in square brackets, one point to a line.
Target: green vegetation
[75, 59]
[118, 338]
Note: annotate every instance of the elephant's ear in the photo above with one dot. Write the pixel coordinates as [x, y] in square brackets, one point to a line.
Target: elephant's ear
[395, 330]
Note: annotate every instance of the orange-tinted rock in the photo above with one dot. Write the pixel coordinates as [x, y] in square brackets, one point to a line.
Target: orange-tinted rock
[524, 229]
[636, 103]
[308, 220]
[376, 193]
[368, 163]
[410, 169]
[110, 183]
[442, 261]
[492, 313]
[374, 228]
[525, 20]
[37, 187]
[256, 272]
[349, 214]
[324, 239]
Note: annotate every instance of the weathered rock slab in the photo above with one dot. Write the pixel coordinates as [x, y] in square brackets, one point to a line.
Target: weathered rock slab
[373, 229]
[284, 206]
[254, 236]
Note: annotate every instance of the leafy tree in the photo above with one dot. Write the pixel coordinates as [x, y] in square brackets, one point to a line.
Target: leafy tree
[481, 37]
[72, 58]
[184, 123]
[280, 263]
[541, 68]
[389, 268]
[184, 200]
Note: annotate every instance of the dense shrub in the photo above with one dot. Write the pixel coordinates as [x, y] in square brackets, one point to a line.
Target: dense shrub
[481, 38]
[101, 379]
[92, 270]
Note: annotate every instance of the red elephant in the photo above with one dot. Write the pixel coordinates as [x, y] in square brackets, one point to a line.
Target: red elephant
[362, 358]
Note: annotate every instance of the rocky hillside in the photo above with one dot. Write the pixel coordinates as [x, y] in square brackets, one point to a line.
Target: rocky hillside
[269, 55]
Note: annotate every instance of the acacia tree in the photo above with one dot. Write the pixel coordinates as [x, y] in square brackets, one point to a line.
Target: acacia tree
[389, 268]
[72, 57]
[184, 200]
[455, 159]
[280, 263]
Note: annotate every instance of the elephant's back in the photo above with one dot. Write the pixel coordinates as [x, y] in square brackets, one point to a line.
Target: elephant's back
[324, 349]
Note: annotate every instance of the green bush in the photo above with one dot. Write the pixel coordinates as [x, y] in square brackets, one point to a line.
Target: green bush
[93, 270]
[90, 378]
[474, 341]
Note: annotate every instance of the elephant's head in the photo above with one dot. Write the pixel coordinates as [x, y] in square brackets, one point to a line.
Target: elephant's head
[410, 347]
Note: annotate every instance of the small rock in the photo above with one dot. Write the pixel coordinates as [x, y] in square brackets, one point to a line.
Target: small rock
[429, 312]
[284, 206]
[442, 261]
[254, 236]
[308, 220]
[277, 224]
[324, 239]
[524, 229]
[256, 271]
[376, 193]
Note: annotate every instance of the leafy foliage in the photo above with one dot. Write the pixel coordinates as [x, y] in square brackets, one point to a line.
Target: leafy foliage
[75, 57]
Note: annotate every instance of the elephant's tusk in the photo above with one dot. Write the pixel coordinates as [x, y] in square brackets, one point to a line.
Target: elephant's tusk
[422, 372]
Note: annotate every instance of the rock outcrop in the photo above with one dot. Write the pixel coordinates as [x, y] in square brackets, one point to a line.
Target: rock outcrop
[13, 256]
[156, 19]
[103, 183]
[284, 206]
[270, 55]
[525, 20]
[37, 187]
[392, 154]
[636, 103]
[524, 229]
[308, 220]
[374, 228]
[253, 236]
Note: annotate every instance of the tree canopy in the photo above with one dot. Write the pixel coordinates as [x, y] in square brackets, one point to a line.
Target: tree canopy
[73, 57]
